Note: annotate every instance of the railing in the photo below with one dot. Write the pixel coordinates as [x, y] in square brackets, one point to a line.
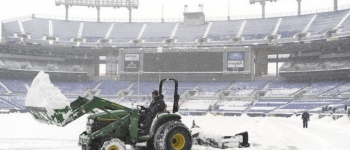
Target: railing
[101, 3]
[106, 19]
[17, 18]
[284, 14]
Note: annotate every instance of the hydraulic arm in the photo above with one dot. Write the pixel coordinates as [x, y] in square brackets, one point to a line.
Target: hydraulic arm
[78, 108]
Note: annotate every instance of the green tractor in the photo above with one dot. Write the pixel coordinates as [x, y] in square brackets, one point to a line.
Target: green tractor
[118, 125]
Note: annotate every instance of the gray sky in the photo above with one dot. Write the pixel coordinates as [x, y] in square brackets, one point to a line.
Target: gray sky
[152, 8]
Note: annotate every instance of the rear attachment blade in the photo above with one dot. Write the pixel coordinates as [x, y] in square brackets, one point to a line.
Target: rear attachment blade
[199, 137]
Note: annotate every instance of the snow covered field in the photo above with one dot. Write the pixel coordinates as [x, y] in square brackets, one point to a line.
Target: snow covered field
[21, 131]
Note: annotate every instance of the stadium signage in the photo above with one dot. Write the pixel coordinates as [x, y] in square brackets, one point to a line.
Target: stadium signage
[235, 64]
[235, 56]
[185, 49]
[132, 57]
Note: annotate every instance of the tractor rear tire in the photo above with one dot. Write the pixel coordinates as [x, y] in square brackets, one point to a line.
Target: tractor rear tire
[113, 144]
[173, 135]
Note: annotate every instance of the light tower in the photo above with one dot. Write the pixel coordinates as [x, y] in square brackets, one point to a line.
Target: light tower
[228, 11]
[335, 5]
[299, 7]
[262, 2]
[129, 4]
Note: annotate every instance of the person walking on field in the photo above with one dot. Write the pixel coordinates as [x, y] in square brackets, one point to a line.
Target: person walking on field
[306, 118]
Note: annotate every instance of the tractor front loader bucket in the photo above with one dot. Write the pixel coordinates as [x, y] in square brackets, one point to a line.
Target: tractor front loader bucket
[59, 117]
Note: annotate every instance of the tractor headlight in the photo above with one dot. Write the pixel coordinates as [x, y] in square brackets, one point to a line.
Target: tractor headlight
[88, 129]
[89, 125]
[91, 121]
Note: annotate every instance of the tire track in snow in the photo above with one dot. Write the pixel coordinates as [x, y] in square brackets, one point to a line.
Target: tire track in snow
[282, 139]
[311, 135]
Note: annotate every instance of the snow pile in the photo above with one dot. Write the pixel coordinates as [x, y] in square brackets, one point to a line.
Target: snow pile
[328, 119]
[293, 116]
[42, 93]
[244, 115]
[343, 121]
[209, 115]
[315, 117]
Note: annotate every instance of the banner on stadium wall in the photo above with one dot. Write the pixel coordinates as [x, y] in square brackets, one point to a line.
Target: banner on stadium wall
[132, 57]
[235, 64]
[132, 65]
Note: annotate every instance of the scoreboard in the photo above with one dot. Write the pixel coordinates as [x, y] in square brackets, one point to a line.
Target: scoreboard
[223, 60]
[183, 62]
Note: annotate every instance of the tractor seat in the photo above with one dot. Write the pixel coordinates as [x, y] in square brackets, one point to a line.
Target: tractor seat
[165, 111]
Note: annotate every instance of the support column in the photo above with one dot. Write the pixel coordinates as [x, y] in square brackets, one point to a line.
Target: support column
[252, 64]
[98, 14]
[263, 9]
[130, 9]
[67, 7]
[162, 14]
[299, 7]
[277, 64]
[335, 5]
[228, 11]
[96, 66]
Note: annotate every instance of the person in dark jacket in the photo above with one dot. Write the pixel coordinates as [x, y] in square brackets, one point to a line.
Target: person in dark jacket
[157, 105]
[306, 118]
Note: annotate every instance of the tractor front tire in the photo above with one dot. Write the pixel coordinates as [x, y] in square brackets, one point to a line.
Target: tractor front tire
[113, 144]
[173, 135]
[150, 144]
[85, 147]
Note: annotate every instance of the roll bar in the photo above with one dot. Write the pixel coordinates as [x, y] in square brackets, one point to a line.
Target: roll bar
[176, 96]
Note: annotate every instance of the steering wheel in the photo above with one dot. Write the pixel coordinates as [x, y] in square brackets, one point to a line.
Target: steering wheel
[141, 112]
[139, 107]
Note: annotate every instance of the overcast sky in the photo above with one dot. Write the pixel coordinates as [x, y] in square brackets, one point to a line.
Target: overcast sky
[153, 8]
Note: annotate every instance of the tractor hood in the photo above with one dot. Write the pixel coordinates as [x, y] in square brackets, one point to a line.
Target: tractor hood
[110, 116]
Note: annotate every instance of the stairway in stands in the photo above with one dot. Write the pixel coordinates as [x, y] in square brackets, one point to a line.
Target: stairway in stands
[8, 103]
[248, 108]
[5, 87]
[283, 105]
[332, 88]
